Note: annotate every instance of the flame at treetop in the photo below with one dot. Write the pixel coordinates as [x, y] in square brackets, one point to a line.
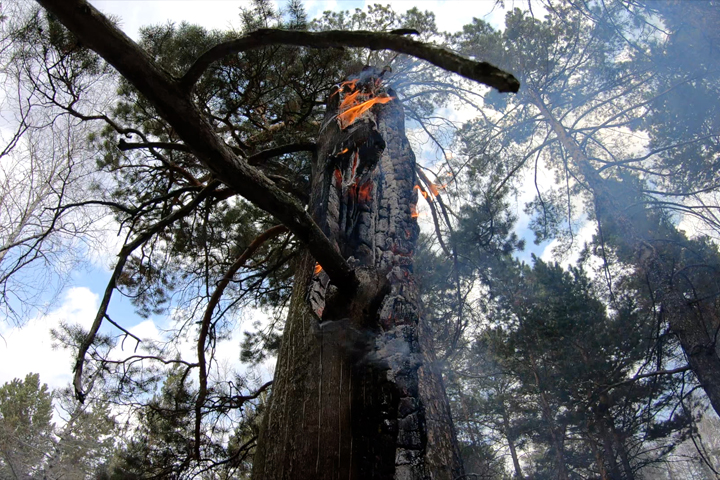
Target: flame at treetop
[357, 102]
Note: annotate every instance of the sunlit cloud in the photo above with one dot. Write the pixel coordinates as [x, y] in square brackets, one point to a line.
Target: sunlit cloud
[29, 348]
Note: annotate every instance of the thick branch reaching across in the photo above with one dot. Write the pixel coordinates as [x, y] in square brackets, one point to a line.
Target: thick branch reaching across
[174, 102]
[481, 72]
[176, 106]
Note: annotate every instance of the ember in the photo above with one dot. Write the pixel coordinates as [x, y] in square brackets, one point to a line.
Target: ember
[318, 268]
[364, 192]
[413, 211]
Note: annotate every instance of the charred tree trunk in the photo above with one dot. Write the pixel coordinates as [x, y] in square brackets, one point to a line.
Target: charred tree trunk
[356, 393]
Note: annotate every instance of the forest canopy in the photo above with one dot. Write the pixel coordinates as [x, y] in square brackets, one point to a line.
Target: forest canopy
[532, 294]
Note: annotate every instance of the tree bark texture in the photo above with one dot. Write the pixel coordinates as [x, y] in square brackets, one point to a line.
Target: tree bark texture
[356, 392]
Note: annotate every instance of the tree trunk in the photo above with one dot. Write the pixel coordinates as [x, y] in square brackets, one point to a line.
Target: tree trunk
[556, 437]
[511, 445]
[625, 460]
[608, 451]
[357, 393]
[692, 320]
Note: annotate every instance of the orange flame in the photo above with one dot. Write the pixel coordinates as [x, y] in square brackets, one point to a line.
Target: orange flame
[433, 189]
[344, 150]
[413, 211]
[349, 100]
[350, 84]
[318, 269]
[422, 192]
[425, 194]
[349, 116]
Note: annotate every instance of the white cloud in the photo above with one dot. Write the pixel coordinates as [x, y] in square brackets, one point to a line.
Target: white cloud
[582, 236]
[28, 349]
[211, 14]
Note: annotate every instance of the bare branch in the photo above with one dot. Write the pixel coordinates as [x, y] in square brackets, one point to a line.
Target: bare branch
[481, 72]
[673, 371]
[125, 146]
[281, 150]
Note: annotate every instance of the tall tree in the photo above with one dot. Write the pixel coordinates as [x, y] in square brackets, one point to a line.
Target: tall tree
[26, 428]
[586, 72]
[558, 372]
[356, 390]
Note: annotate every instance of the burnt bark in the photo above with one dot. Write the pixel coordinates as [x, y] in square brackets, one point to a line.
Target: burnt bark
[356, 392]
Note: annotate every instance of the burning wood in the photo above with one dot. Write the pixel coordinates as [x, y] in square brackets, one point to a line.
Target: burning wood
[365, 203]
[359, 96]
[413, 211]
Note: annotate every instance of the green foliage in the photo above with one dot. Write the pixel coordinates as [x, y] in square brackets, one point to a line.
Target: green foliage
[26, 428]
[551, 366]
[32, 446]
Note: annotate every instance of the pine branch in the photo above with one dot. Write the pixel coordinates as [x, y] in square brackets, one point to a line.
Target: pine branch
[176, 106]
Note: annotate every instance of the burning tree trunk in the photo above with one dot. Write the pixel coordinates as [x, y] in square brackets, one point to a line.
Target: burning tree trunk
[356, 393]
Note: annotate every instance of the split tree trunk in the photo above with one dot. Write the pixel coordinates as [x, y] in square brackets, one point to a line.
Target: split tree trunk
[357, 394]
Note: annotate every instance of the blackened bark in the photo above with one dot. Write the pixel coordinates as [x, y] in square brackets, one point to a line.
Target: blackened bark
[356, 391]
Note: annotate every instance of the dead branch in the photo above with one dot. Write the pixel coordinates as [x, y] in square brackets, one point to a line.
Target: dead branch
[125, 146]
[481, 72]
